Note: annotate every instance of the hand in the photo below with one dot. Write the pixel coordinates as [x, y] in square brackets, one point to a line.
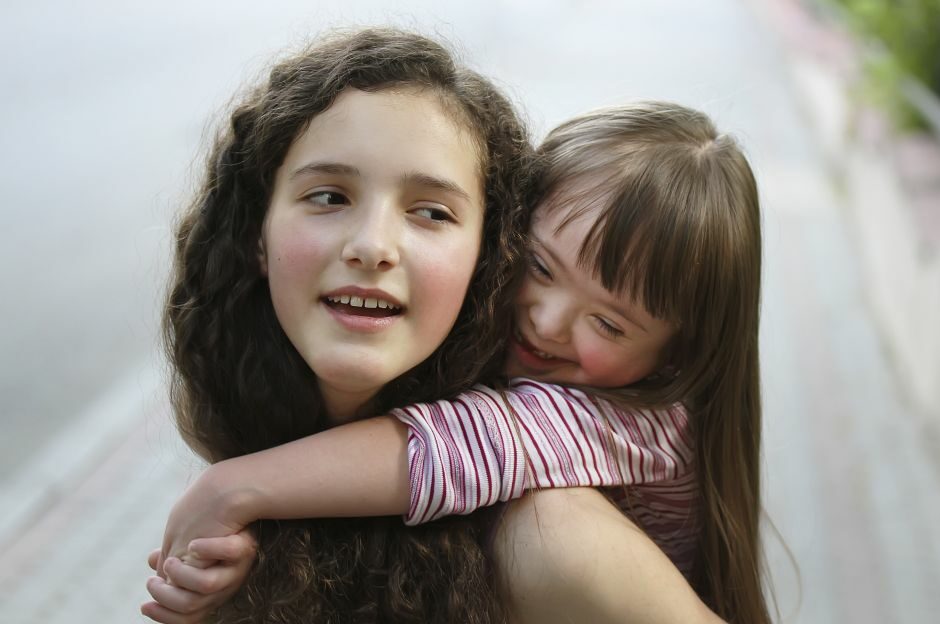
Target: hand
[191, 593]
[206, 509]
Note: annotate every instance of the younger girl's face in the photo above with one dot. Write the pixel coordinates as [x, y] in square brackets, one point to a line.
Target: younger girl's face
[371, 239]
[569, 328]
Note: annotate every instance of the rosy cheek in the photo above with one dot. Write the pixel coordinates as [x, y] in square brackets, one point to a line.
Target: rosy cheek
[296, 252]
[604, 367]
[444, 298]
[442, 285]
[595, 362]
[295, 262]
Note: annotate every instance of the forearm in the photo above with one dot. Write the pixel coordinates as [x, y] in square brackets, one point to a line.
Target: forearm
[359, 469]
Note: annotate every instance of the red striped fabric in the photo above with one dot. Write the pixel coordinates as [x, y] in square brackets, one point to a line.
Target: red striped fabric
[488, 446]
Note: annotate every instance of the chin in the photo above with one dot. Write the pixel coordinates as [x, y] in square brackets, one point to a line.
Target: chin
[354, 377]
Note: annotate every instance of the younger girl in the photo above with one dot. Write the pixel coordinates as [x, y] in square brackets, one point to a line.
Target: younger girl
[643, 285]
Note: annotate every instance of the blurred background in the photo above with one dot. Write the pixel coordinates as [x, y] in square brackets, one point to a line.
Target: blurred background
[106, 110]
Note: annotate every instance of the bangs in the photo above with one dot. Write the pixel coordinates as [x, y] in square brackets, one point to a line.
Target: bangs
[647, 240]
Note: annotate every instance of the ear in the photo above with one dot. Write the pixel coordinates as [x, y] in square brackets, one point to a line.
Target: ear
[666, 373]
[262, 257]
[668, 366]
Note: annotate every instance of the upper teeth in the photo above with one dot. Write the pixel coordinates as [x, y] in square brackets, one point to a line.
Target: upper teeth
[541, 354]
[363, 302]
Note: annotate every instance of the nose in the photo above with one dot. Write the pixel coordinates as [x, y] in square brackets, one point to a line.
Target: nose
[551, 318]
[373, 242]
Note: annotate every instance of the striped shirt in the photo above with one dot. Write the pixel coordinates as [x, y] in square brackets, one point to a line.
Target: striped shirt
[486, 446]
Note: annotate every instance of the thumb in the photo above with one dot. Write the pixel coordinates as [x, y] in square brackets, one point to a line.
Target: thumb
[153, 558]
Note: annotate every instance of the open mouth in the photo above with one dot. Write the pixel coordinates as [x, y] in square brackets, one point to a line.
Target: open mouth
[525, 344]
[362, 306]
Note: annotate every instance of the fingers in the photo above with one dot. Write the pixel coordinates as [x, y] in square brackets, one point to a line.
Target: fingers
[211, 571]
[215, 580]
[232, 548]
[153, 559]
[189, 593]
[157, 612]
[193, 560]
[183, 552]
[174, 604]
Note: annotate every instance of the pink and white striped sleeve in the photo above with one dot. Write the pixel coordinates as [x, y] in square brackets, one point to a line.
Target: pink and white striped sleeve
[487, 446]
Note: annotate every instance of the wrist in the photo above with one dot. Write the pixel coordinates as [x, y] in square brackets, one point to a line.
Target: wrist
[236, 498]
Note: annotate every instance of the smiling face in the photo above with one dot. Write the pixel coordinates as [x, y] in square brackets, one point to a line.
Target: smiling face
[371, 238]
[569, 328]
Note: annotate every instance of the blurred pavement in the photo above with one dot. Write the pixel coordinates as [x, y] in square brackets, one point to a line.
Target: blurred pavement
[92, 464]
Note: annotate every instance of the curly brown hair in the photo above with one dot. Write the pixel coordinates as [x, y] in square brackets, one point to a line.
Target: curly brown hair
[239, 385]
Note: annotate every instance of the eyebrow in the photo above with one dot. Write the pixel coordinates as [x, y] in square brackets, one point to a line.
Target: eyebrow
[561, 265]
[433, 182]
[324, 167]
[412, 178]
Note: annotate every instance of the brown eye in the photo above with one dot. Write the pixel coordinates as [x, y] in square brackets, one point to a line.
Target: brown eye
[433, 214]
[327, 198]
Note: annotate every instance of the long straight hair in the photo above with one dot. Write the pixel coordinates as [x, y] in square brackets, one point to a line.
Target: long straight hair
[680, 232]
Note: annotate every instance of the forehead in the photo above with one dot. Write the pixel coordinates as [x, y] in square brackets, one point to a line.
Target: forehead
[570, 211]
[561, 233]
[567, 222]
[392, 129]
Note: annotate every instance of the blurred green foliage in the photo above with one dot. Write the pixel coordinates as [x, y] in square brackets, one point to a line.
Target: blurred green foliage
[910, 33]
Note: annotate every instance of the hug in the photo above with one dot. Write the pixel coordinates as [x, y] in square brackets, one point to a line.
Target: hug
[441, 376]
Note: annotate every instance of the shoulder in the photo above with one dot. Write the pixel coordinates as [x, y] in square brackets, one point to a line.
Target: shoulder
[543, 391]
[528, 393]
[650, 426]
[561, 532]
[556, 398]
[569, 553]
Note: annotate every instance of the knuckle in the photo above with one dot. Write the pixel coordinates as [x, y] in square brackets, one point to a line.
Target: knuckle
[248, 549]
[154, 589]
[205, 585]
[190, 607]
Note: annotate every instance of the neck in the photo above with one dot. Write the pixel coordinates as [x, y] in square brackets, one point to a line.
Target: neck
[346, 406]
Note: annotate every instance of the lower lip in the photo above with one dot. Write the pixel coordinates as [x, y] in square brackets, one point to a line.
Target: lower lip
[530, 360]
[361, 324]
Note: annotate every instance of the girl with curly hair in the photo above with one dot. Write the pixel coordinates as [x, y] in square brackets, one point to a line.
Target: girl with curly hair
[353, 248]
[644, 281]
